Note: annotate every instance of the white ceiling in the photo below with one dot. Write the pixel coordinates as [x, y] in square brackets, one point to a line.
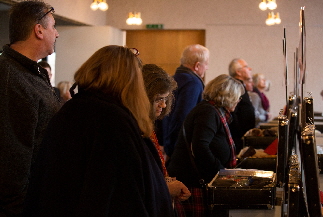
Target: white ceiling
[60, 21]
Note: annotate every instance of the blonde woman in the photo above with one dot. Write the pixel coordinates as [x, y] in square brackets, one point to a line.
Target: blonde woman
[64, 90]
[204, 145]
[95, 161]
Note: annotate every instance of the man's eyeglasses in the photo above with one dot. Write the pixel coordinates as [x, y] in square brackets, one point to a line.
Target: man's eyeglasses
[161, 99]
[135, 51]
[51, 10]
[246, 66]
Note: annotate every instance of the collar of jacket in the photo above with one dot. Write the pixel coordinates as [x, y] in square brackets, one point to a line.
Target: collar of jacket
[183, 69]
[31, 65]
[108, 97]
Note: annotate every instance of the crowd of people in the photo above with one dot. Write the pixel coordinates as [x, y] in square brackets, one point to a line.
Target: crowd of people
[133, 140]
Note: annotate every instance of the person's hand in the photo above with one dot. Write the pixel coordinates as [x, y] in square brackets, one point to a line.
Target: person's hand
[185, 194]
[178, 190]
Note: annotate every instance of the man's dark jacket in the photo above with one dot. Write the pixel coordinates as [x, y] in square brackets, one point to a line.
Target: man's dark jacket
[27, 103]
[243, 120]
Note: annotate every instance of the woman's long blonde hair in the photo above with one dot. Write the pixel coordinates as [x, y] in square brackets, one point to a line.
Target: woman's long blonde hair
[115, 70]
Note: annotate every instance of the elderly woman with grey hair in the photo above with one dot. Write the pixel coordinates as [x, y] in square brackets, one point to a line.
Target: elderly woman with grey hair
[204, 145]
[260, 86]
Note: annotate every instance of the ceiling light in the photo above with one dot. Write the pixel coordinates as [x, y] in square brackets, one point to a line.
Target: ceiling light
[99, 4]
[271, 5]
[277, 19]
[263, 5]
[134, 19]
[94, 6]
[273, 19]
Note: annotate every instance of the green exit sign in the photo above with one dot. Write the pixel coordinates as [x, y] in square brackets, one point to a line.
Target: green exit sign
[154, 26]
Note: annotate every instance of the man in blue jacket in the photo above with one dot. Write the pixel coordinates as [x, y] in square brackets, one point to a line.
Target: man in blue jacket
[189, 75]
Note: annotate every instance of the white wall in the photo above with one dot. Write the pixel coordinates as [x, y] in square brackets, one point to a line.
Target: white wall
[78, 10]
[234, 28]
[76, 44]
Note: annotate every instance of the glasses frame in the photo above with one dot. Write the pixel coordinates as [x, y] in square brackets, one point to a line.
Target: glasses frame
[51, 10]
[135, 51]
[161, 99]
[244, 67]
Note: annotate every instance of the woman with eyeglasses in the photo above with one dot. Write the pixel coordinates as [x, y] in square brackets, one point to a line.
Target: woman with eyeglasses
[95, 160]
[160, 86]
[204, 145]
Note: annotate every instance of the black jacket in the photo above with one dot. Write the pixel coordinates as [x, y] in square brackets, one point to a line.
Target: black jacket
[205, 131]
[244, 119]
[94, 162]
[27, 103]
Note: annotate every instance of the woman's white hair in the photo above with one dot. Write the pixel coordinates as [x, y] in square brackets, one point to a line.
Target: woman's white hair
[224, 90]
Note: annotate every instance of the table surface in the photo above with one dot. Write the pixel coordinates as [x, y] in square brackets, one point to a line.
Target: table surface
[276, 212]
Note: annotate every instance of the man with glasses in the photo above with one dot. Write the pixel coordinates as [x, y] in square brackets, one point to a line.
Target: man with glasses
[244, 113]
[28, 100]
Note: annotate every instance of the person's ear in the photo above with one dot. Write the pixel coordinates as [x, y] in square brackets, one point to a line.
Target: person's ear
[238, 72]
[196, 66]
[38, 30]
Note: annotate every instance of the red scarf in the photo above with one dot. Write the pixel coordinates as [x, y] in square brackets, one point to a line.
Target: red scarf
[226, 118]
[154, 139]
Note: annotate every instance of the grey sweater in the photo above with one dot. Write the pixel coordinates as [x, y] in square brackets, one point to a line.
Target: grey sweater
[27, 103]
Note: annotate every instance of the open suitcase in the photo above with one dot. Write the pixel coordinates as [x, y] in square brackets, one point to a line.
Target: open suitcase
[242, 189]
